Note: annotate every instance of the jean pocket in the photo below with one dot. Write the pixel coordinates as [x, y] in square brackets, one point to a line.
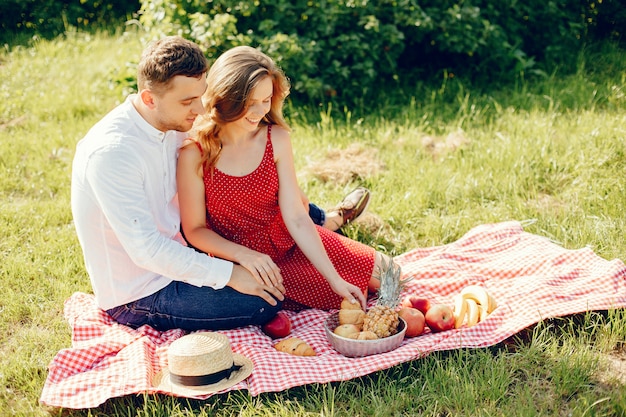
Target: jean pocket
[116, 312]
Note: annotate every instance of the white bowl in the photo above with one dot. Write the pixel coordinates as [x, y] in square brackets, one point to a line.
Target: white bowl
[357, 348]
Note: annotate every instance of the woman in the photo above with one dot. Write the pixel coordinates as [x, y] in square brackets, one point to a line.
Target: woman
[240, 199]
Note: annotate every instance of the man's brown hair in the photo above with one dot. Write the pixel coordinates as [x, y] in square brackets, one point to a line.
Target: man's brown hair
[166, 58]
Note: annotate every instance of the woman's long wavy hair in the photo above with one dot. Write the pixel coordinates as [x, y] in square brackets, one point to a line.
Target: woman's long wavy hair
[230, 81]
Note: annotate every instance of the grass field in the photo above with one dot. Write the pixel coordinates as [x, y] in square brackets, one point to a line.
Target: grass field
[439, 161]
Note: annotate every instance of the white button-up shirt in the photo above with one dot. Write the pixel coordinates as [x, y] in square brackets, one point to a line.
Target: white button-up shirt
[126, 212]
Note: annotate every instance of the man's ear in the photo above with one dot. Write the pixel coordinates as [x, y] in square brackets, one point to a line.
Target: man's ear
[147, 98]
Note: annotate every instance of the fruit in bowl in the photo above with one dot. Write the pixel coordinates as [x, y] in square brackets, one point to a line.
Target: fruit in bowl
[362, 346]
[380, 328]
[383, 318]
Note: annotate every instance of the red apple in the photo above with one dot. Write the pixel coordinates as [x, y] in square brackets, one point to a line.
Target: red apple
[279, 326]
[415, 321]
[420, 303]
[440, 317]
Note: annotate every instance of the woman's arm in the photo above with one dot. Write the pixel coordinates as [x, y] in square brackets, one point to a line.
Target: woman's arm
[191, 199]
[305, 199]
[298, 221]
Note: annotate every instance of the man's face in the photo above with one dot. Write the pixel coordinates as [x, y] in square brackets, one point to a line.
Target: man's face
[178, 107]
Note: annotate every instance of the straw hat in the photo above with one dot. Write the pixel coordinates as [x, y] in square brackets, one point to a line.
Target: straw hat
[201, 363]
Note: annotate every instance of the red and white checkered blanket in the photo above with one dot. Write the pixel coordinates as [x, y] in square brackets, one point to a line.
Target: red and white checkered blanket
[531, 277]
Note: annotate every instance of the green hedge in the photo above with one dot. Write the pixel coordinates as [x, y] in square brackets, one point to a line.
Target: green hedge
[50, 18]
[347, 50]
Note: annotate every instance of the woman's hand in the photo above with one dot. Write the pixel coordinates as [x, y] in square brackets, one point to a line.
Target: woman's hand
[262, 268]
[242, 281]
[349, 291]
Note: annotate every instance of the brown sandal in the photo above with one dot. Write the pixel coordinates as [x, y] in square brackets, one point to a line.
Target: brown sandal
[353, 205]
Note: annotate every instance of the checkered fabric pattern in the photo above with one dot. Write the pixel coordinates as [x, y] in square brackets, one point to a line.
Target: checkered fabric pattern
[531, 278]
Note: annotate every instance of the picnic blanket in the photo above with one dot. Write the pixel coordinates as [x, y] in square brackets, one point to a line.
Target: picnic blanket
[531, 277]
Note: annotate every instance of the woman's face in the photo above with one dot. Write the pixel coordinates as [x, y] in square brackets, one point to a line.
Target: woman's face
[259, 104]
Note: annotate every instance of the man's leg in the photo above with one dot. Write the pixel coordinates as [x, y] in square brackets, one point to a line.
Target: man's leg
[185, 306]
[350, 208]
[317, 214]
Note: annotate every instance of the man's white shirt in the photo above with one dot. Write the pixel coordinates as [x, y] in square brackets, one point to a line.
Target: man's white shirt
[126, 211]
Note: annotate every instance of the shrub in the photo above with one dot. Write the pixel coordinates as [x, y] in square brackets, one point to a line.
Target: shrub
[49, 18]
[346, 50]
[329, 49]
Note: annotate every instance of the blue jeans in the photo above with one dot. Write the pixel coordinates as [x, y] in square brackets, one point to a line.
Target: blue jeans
[183, 306]
[317, 214]
[187, 307]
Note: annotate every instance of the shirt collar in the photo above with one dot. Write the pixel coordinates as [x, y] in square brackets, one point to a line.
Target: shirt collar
[152, 132]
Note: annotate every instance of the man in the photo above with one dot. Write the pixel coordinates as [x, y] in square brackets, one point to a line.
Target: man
[126, 211]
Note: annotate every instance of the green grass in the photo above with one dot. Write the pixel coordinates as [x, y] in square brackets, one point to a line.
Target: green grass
[551, 150]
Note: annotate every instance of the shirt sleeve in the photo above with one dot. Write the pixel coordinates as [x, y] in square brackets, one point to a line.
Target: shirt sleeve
[118, 183]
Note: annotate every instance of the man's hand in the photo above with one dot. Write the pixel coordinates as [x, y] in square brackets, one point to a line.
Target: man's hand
[241, 280]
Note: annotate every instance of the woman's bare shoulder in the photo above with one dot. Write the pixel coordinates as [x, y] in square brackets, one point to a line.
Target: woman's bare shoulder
[189, 150]
[280, 133]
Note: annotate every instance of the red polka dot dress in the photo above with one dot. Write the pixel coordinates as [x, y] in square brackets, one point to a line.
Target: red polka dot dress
[245, 210]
